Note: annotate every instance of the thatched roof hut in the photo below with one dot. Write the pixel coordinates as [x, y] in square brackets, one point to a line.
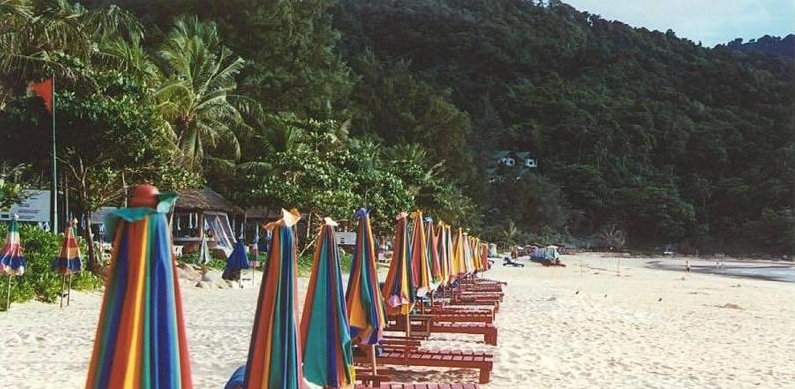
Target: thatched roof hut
[195, 200]
[200, 213]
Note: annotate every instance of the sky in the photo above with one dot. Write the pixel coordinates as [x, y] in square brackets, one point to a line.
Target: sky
[710, 21]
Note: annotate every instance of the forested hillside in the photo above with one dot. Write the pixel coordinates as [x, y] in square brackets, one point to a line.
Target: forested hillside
[640, 136]
[772, 46]
[668, 140]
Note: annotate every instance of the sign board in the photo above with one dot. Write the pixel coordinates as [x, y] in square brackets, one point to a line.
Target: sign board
[346, 238]
[98, 217]
[36, 208]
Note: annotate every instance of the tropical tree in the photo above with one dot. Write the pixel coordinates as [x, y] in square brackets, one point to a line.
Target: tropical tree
[198, 100]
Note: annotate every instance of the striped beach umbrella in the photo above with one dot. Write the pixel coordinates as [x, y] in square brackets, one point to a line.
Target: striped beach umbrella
[140, 340]
[448, 254]
[325, 335]
[398, 289]
[420, 267]
[433, 253]
[459, 267]
[363, 297]
[68, 260]
[12, 262]
[274, 354]
[469, 264]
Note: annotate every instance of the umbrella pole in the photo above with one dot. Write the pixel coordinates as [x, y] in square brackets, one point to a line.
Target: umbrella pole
[408, 325]
[69, 291]
[60, 295]
[8, 295]
[372, 360]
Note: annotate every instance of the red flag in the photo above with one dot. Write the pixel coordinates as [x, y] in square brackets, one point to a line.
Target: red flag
[44, 90]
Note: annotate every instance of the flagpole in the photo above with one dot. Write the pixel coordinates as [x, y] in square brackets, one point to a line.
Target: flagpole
[54, 220]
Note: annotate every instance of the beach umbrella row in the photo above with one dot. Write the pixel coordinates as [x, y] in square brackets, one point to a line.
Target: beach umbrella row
[141, 342]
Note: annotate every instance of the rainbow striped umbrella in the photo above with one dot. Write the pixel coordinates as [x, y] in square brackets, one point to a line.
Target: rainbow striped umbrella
[325, 335]
[398, 290]
[12, 263]
[68, 261]
[274, 358]
[433, 253]
[364, 299]
[140, 340]
[420, 267]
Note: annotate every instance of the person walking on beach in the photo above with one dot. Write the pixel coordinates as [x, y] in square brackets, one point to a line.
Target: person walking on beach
[514, 253]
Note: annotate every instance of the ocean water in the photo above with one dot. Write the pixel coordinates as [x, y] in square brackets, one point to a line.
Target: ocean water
[764, 271]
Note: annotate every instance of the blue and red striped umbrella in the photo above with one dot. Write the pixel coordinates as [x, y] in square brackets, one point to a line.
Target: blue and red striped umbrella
[140, 340]
[68, 260]
[12, 262]
[325, 336]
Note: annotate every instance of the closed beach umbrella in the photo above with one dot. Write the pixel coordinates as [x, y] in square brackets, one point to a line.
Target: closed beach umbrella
[274, 354]
[236, 262]
[398, 290]
[448, 254]
[68, 260]
[363, 297]
[459, 266]
[420, 267]
[325, 335]
[12, 263]
[140, 340]
[469, 265]
[433, 253]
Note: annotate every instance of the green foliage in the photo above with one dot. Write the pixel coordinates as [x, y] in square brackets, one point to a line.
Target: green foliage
[39, 282]
[671, 140]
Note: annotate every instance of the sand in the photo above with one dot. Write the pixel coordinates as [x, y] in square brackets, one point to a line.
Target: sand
[582, 326]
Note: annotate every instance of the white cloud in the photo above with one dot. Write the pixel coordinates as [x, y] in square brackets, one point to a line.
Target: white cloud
[709, 21]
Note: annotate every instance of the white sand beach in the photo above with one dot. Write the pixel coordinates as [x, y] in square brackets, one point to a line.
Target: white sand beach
[574, 327]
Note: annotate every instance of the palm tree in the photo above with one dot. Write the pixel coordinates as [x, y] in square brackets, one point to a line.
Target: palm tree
[47, 38]
[510, 234]
[197, 99]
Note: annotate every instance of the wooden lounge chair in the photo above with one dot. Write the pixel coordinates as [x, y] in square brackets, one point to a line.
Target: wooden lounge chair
[488, 330]
[483, 295]
[393, 385]
[474, 302]
[480, 360]
[460, 316]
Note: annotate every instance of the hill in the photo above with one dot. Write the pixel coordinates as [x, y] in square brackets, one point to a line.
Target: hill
[772, 46]
[638, 135]
[670, 141]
